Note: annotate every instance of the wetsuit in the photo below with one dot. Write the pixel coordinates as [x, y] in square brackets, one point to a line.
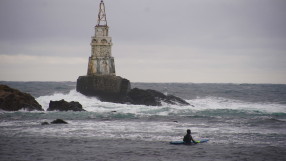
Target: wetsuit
[188, 139]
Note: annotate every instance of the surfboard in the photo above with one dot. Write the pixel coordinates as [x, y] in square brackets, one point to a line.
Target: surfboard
[182, 142]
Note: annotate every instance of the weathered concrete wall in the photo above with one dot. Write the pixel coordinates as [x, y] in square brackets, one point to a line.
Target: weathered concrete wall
[105, 87]
[101, 66]
[101, 61]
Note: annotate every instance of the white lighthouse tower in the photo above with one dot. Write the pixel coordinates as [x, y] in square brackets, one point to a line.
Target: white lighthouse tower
[101, 61]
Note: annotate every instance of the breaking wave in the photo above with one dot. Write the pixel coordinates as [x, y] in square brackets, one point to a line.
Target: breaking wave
[209, 106]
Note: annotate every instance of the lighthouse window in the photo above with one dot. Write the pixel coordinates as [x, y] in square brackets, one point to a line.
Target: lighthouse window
[103, 41]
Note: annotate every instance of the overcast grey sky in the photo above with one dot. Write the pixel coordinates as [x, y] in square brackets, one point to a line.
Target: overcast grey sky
[200, 41]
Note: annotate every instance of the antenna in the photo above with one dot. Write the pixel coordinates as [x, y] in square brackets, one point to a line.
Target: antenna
[101, 15]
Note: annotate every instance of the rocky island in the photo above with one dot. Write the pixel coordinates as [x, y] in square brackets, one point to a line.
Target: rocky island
[101, 80]
[14, 100]
[63, 105]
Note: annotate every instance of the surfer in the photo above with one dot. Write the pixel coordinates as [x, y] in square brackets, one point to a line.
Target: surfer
[188, 139]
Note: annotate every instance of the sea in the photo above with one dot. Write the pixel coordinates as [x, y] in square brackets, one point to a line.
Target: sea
[241, 121]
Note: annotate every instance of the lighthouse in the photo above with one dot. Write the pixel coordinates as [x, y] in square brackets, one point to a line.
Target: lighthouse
[101, 80]
[101, 61]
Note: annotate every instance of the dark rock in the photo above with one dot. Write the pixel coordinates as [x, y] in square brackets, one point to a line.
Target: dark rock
[105, 87]
[62, 105]
[59, 121]
[14, 100]
[153, 98]
[44, 123]
[175, 100]
[116, 89]
[143, 97]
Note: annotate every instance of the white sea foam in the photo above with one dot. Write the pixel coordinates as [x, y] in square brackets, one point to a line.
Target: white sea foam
[92, 104]
[224, 103]
[217, 129]
[133, 130]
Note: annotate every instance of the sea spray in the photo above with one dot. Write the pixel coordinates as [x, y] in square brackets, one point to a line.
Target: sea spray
[234, 123]
[212, 105]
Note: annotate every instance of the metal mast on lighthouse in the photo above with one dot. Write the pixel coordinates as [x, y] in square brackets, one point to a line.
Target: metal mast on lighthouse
[101, 15]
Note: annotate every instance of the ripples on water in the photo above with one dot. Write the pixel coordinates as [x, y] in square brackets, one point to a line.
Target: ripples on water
[216, 115]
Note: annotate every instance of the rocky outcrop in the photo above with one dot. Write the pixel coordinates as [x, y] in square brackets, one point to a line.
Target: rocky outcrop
[110, 88]
[142, 97]
[14, 100]
[63, 105]
[59, 121]
[153, 98]
[45, 123]
[107, 88]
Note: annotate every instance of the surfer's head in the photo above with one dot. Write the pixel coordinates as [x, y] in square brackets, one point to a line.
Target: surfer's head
[189, 131]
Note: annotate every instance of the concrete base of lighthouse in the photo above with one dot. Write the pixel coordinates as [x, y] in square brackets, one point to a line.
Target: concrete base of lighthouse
[106, 87]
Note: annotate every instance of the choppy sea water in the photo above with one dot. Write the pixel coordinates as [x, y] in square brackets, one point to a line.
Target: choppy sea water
[242, 122]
